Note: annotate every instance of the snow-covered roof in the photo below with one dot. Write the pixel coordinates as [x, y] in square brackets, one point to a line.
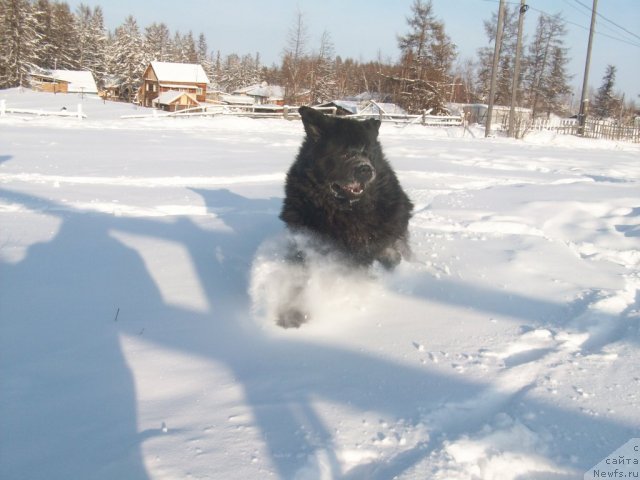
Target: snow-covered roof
[167, 98]
[274, 92]
[79, 81]
[237, 99]
[384, 108]
[347, 105]
[179, 72]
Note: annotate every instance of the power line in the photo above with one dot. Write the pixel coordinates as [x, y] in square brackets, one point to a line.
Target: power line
[623, 40]
[581, 11]
[607, 20]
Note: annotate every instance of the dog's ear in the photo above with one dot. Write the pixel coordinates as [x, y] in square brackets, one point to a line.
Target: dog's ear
[315, 123]
[373, 126]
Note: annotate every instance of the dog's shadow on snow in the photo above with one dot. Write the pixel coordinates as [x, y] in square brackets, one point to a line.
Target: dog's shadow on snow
[78, 281]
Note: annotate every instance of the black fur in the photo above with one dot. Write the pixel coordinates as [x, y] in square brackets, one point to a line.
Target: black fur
[342, 189]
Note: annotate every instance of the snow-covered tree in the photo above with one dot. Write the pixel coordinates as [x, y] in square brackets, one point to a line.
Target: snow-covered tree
[18, 42]
[98, 57]
[90, 40]
[64, 37]
[43, 15]
[203, 57]
[157, 43]
[127, 59]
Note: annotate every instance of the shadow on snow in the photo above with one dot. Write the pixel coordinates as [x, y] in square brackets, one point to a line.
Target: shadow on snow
[62, 419]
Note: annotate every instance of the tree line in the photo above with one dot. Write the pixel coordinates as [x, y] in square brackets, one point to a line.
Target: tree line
[428, 74]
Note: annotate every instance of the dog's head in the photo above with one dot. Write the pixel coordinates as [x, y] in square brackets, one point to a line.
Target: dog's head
[341, 154]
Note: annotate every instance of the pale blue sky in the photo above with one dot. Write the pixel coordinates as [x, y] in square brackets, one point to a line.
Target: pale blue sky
[362, 28]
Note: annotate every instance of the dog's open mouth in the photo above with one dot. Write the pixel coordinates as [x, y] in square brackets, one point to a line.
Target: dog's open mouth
[349, 190]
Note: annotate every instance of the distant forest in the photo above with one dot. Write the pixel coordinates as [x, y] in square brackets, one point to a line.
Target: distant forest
[427, 75]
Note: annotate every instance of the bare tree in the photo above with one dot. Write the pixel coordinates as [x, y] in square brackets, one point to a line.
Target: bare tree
[323, 72]
[293, 58]
[545, 76]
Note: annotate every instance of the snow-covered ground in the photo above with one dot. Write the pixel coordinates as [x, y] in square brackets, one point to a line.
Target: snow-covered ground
[130, 348]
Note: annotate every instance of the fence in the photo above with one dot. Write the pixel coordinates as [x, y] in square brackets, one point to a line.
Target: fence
[604, 129]
[289, 113]
[39, 112]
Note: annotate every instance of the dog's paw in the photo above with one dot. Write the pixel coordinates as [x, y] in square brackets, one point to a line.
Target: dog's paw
[292, 318]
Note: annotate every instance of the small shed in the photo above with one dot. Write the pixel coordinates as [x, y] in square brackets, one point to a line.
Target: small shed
[263, 93]
[64, 81]
[380, 109]
[174, 101]
[342, 107]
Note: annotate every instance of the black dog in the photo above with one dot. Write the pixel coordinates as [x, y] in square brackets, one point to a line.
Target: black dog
[343, 192]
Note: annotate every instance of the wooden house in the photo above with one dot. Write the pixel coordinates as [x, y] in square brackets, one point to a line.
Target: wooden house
[173, 101]
[163, 77]
[63, 81]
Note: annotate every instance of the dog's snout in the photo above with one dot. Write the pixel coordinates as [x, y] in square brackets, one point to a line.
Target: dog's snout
[364, 172]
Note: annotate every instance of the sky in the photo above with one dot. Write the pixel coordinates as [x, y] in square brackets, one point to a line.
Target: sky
[365, 29]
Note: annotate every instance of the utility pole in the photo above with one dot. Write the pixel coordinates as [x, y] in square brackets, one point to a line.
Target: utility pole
[582, 116]
[494, 68]
[516, 71]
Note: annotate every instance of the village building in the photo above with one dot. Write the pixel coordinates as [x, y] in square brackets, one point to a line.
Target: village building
[63, 81]
[263, 94]
[174, 101]
[370, 109]
[164, 77]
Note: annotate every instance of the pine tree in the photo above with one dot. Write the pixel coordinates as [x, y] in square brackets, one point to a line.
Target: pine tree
[91, 37]
[83, 31]
[427, 59]
[127, 62]
[203, 57]
[190, 53]
[157, 42]
[604, 103]
[98, 56]
[64, 37]
[18, 42]
[43, 15]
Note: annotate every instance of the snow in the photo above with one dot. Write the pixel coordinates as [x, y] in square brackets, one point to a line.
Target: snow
[179, 72]
[79, 80]
[139, 259]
